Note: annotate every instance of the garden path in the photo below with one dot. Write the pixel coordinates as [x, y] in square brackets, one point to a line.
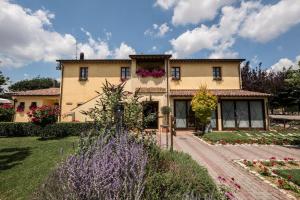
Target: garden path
[219, 162]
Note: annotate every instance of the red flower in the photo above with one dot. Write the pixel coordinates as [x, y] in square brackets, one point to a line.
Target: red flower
[290, 177]
[237, 186]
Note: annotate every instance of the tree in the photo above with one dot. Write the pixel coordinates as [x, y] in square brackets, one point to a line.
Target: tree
[203, 103]
[111, 97]
[256, 79]
[34, 84]
[293, 87]
[3, 81]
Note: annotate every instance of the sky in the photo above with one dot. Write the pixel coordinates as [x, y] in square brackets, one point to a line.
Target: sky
[34, 33]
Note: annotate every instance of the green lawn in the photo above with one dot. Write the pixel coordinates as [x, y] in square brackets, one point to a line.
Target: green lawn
[294, 173]
[25, 162]
[260, 137]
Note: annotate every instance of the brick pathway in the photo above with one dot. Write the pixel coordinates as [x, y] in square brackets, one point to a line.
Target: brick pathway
[218, 161]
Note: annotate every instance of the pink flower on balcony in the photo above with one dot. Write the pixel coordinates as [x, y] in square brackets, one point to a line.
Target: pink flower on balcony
[156, 73]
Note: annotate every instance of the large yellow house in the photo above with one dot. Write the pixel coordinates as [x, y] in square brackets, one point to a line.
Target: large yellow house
[164, 81]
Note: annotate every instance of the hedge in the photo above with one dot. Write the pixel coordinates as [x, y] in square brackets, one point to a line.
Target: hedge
[175, 175]
[17, 129]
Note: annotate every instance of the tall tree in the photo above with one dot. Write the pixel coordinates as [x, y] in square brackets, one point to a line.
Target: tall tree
[34, 84]
[282, 85]
[3, 81]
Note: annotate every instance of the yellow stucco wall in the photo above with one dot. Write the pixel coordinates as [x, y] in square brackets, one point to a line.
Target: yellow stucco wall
[195, 74]
[40, 100]
[76, 92]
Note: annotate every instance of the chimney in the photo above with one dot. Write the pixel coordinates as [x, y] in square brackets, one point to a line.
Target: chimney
[81, 56]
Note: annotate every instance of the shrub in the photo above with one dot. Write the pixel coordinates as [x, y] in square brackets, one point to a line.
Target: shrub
[43, 115]
[203, 103]
[174, 175]
[6, 113]
[16, 129]
[108, 170]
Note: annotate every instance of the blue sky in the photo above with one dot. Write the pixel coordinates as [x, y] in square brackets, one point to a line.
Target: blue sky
[34, 33]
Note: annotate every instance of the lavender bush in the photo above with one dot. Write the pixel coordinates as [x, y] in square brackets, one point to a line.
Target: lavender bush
[113, 169]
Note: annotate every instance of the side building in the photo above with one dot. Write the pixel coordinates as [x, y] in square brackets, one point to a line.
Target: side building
[26, 100]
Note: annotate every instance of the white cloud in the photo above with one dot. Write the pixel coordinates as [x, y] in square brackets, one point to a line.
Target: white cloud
[192, 11]
[195, 40]
[123, 51]
[158, 30]
[27, 36]
[165, 4]
[24, 36]
[195, 11]
[94, 48]
[285, 63]
[219, 38]
[270, 21]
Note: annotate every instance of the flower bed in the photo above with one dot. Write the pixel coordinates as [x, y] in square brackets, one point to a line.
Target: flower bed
[253, 137]
[281, 173]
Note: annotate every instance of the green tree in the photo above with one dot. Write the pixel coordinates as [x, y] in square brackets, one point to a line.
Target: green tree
[292, 82]
[104, 112]
[3, 81]
[34, 84]
[203, 103]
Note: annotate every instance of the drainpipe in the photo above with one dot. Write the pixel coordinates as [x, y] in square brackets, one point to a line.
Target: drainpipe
[167, 74]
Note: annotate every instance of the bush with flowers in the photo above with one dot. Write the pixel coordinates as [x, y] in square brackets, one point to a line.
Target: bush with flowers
[156, 73]
[6, 112]
[43, 115]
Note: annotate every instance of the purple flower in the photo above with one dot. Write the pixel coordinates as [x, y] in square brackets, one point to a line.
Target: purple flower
[108, 170]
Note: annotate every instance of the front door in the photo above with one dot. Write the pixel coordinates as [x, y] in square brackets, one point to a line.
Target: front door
[151, 108]
[181, 114]
[185, 116]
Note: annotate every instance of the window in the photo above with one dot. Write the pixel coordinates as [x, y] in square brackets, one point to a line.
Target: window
[243, 114]
[33, 106]
[217, 75]
[175, 73]
[21, 107]
[125, 73]
[83, 73]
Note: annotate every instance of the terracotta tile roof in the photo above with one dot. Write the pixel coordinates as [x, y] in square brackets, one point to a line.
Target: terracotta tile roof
[40, 92]
[221, 93]
[151, 90]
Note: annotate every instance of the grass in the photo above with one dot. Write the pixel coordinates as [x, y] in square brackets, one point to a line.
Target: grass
[293, 173]
[25, 162]
[260, 137]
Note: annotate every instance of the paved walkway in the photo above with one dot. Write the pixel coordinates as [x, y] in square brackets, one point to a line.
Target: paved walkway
[218, 161]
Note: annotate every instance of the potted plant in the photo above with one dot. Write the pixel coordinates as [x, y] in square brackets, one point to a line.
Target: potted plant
[165, 110]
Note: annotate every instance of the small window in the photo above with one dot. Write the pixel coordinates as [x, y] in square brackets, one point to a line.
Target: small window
[125, 73]
[33, 106]
[176, 73]
[217, 74]
[21, 107]
[83, 73]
